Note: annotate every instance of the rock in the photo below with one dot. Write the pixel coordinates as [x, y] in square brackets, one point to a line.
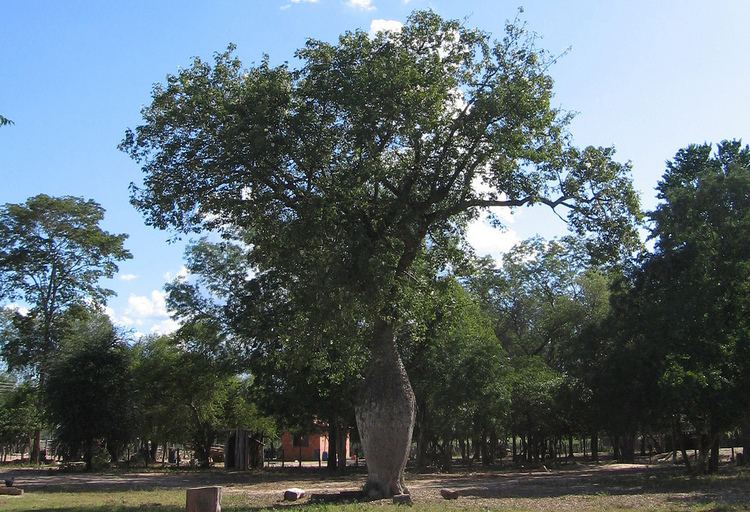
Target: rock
[402, 499]
[204, 499]
[11, 491]
[293, 494]
[449, 494]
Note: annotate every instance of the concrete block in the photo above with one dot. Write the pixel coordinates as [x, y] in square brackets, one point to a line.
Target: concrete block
[449, 494]
[204, 499]
[293, 494]
[402, 499]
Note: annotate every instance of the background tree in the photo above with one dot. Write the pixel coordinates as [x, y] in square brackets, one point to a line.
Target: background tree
[18, 417]
[5, 121]
[337, 173]
[52, 255]
[458, 371]
[688, 306]
[90, 390]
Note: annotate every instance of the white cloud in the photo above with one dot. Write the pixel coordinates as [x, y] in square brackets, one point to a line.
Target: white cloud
[385, 25]
[166, 326]
[180, 275]
[144, 306]
[362, 5]
[488, 240]
[145, 312]
[21, 310]
[128, 277]
[287, 6]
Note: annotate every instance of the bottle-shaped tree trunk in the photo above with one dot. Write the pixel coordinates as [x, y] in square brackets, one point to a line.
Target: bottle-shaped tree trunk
[385, 416]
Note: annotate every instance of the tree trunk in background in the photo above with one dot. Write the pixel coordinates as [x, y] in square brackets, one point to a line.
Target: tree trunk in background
[341, 448]
[570, 447]
[485, 450]
[627, 448]
[713, 459]
[422, 439]
[332, 445]
[385, 415]
[594, 446]
[746, 439]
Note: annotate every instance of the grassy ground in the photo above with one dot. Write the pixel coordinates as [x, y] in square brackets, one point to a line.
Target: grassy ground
[575, 487]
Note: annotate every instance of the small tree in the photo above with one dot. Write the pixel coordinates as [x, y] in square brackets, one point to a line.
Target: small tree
[18, 417]
[90, 391]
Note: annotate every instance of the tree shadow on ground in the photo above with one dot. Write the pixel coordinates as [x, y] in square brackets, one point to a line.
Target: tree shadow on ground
[727, 489]
[63, 481]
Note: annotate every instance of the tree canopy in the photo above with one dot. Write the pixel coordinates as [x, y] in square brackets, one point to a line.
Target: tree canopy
[52, 255]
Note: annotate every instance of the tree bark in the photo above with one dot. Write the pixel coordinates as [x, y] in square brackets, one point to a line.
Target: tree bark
[595, 446]
[713, 460]
[332, 462]
[746, 439]
[385, 415]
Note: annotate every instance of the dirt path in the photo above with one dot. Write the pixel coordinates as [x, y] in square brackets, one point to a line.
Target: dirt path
[573, 487]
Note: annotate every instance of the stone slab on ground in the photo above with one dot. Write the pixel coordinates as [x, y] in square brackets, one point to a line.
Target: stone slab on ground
[402, 499]
[204, 499]
[294, 494]
[449, 494]
[11, 491]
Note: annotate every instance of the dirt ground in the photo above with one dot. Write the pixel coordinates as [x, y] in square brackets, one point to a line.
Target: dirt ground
[575, 486]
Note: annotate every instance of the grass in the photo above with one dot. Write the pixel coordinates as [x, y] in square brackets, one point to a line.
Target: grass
[174, 501]
[586, 490]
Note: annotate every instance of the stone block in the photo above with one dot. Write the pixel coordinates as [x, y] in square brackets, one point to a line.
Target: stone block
[11, 491]
[402, 499]
[204, 499]
[449, 494]
[293, 494]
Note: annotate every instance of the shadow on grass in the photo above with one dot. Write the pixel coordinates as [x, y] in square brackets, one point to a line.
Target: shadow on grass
[64, 481]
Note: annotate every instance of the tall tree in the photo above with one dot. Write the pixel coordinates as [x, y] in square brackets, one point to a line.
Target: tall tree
[52, 254]
[338, 173]
[690, 302]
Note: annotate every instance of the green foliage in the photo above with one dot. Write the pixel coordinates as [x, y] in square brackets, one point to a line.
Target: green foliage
[52, 255]
[5, 121]
[329, 183]
[687, 310]
[18, 415]
[457, 367]
[89, 391]
[185, 397]
[335, 172]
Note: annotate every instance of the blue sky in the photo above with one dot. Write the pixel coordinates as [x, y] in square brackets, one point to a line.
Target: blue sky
[647, 77]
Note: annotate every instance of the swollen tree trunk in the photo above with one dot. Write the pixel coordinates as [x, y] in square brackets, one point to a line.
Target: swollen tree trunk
[385, 416]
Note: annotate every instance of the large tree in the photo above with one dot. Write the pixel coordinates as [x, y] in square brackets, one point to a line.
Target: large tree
[53, 253]
[337, 173]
